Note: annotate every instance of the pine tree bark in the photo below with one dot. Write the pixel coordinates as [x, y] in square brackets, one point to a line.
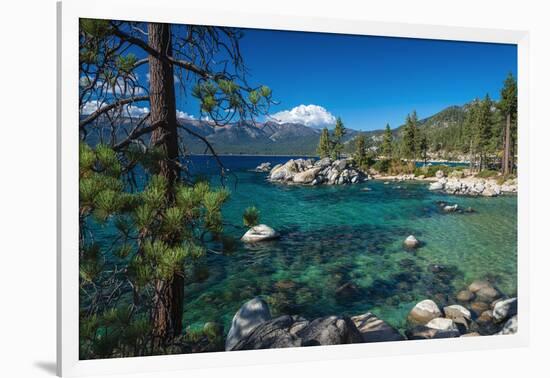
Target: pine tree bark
[506, 157]
[168, 300]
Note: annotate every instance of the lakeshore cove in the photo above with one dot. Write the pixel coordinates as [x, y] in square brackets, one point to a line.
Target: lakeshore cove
[340, 248]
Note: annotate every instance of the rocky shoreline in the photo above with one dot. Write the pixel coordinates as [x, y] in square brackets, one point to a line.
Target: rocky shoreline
[343, 171]
[315, 172]
[479, 310]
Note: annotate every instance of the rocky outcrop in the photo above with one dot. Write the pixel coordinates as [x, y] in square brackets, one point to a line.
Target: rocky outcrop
[330, 330]
[253, 327]
[505, 309]
[510, 327]
[277, 333]
[374, 330]
[259, 233]
[250, 315]
[311, 172]
[263, 167]
[423, 312]
[293, 331]
[472, 186]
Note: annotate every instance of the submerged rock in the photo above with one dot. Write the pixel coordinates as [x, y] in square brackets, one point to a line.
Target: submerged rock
[259, 233]
[250, 315]
[465, 296]
[411, 242]
[375, 330]
[450, 209]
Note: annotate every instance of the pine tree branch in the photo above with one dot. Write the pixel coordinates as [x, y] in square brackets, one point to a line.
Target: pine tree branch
[102, 110]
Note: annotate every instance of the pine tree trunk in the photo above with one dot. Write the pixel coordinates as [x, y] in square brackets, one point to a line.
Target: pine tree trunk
[168, 300]
[506, 157]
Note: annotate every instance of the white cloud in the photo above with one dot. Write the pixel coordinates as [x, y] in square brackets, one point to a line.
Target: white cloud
[132, 110]
[184, 115]
[309, 115]
[89, 107]
[136, 111]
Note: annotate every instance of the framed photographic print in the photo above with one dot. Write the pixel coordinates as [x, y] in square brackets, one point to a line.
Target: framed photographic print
[239, 187]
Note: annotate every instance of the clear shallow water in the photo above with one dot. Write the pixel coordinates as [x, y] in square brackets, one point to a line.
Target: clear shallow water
[334, 235]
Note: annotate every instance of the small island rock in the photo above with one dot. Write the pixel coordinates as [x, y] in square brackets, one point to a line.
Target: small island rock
[259, 233]
[411, 242]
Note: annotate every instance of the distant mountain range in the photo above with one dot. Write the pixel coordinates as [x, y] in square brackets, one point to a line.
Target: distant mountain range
[444, 130]
[271, 138]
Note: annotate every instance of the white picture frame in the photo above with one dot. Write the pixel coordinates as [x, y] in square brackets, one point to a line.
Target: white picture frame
[69, 12]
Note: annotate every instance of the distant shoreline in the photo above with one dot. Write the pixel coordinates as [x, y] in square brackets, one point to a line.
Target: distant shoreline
[315, 156]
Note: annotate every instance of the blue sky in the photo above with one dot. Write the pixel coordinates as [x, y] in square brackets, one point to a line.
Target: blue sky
[371, 81]
[368, 81]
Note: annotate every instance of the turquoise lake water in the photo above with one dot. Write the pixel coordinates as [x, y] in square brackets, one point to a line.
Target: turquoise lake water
[332, 235]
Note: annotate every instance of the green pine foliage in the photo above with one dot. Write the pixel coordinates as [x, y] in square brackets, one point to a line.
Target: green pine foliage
[251, 216]
[324, 148]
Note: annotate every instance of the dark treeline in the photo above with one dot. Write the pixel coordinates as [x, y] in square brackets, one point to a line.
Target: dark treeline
[483, 132]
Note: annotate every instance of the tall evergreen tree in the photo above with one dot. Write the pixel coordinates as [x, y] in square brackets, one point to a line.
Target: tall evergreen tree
[423, 147]
[324, 147]
[484, 130]
[339, 132]
[166, 218]
[508, 107]
[360, 154]
[410, 137]
[387, 143]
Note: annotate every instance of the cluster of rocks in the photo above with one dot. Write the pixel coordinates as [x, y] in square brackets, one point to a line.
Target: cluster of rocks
[316, 172]
[472, 186]
[479, 310]
[263, 167]
[254, 328]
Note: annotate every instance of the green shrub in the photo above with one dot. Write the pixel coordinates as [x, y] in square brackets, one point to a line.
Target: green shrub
[251, 216]
[486, 173]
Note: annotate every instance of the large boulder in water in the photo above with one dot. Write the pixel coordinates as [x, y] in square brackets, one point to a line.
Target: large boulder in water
[250, 315]
[259, 233]
[421, 332]
[484, 291]
[436, 186]
[423, 312]
[505, 309]
[375, 330]
[411, 242]
[306, 176]
[442, 324]
[510, 327]
[277, 333]
[330, 330]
